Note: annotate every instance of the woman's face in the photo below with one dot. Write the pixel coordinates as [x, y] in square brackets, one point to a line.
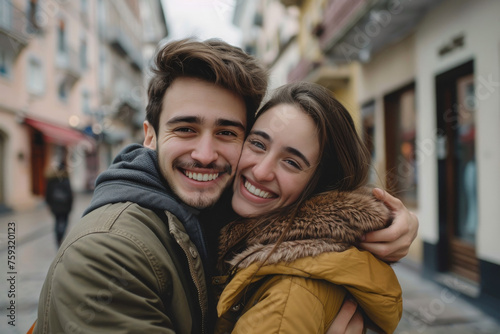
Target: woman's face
[279, 158]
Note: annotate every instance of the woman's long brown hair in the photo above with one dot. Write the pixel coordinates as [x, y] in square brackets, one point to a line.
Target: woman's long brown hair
[343, 162]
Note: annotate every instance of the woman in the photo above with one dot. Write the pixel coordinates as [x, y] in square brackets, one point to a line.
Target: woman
[299, 187]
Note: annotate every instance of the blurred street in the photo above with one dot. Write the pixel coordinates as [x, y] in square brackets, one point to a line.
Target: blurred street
[35, 249]
[428, 307]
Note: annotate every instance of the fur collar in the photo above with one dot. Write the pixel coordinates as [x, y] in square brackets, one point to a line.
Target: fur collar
[330, 222]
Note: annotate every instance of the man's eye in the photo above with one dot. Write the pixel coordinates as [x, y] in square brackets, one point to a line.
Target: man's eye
[186, 130]
[228, 133]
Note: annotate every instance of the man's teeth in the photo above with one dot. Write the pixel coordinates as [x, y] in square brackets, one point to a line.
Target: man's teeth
[256, 191]
[201, 176]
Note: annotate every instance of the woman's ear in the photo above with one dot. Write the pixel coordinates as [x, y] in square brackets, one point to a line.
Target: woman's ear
[149, 136]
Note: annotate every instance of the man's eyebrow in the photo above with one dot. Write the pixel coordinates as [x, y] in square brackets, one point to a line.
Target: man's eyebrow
[184, 119]
[296, 152]
[228, 122]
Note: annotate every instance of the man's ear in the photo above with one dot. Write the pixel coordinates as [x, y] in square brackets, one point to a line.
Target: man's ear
[149, 136]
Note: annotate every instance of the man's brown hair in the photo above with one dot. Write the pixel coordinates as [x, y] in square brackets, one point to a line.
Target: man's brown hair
[213, 61]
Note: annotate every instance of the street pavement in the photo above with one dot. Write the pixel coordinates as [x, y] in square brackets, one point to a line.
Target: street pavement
[428, 307]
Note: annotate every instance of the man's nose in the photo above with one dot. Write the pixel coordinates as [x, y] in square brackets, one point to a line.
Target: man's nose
[205, 151]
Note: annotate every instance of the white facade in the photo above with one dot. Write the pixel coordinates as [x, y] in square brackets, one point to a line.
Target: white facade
[478, 22]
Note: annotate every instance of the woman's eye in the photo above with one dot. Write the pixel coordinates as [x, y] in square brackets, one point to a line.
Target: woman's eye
[293, 164]
[257, 144]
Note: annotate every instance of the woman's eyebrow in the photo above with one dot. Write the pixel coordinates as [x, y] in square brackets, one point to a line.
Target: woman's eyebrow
[262, 134]
[296, 152]
[288, 149]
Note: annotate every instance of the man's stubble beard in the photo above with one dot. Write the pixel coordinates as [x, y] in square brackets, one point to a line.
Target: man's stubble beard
[201, 201]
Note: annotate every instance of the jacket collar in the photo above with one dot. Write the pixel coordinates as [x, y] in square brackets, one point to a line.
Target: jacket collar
[329, 222]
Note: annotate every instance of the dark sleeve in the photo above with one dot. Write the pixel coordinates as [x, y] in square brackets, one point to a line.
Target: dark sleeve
[49, 190]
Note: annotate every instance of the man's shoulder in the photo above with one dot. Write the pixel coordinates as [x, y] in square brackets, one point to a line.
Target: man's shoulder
[125, 218]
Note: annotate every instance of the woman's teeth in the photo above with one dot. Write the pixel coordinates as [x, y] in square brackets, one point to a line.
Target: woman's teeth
[256, 191]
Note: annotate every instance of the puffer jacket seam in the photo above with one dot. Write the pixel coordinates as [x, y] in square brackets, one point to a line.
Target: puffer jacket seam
[292, 283]
[286, 304]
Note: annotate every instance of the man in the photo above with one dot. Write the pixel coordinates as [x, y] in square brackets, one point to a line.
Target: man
[136, 262]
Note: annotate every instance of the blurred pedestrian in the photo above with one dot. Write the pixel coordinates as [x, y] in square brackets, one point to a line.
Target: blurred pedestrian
[59, 197]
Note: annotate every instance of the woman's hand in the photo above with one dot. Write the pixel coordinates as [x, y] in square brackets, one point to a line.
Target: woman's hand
[391, 244]
[348, 321]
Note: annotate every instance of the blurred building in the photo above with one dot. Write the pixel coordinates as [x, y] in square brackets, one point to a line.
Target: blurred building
[71, 89]
[422, 79]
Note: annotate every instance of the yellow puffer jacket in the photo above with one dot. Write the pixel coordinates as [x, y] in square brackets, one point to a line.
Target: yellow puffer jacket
[303, 284]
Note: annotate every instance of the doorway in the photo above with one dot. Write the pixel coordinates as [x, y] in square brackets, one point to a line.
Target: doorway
[400, 144]
[457, 173]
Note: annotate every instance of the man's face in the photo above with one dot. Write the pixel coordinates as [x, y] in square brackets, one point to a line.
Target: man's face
[200, 135]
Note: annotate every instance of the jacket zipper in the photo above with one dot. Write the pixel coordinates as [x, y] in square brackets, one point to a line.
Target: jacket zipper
[195, 281]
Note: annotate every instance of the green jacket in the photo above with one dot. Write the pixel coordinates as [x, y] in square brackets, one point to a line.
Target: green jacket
[116, 273]
[133, 263]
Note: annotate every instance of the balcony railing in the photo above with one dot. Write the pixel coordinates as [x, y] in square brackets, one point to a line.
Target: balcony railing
[69, 62]
[354, 30]
[15, 29]
[300, 71]
[122, 31]
[320, 72]
[338, 14]
[122, 44]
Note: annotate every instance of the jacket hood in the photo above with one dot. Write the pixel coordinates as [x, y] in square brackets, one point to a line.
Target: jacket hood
[329, 222]
[134, 176]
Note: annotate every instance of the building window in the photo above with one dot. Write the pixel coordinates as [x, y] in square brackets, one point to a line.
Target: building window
[101, 16]
[35, 76]
[368, 135]
[5, 64]
[84, 5]
[83, 54]
[6, 14]
[62, 91]
[86, 103]
[32, 14]
[61, 37]
[102, 69]
[400, 126]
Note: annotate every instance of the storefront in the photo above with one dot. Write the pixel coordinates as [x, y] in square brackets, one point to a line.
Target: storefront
[458, 96]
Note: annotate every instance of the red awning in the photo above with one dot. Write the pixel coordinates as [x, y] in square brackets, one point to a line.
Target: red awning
[58, 134]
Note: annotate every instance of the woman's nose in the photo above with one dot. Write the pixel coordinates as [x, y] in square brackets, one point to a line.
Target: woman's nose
[264, 169]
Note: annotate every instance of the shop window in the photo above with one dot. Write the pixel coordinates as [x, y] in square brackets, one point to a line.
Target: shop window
[400, 126]
[368, 135]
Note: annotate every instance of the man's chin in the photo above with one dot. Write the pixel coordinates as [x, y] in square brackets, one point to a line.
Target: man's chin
[201, 201]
